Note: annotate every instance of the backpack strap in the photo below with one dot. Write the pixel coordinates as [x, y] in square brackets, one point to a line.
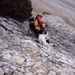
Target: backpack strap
[36, 24]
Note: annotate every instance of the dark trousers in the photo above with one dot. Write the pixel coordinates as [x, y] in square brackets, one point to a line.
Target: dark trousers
[37, 32]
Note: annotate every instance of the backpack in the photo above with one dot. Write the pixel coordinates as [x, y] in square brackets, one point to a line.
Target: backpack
[33, 23]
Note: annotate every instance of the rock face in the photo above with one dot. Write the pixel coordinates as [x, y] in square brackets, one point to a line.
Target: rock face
[20, 55]
[61, 33]
[63, 8]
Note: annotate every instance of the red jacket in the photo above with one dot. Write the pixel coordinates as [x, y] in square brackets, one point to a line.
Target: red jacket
[40, 20]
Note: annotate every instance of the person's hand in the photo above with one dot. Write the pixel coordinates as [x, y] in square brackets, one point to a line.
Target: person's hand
[46, 25]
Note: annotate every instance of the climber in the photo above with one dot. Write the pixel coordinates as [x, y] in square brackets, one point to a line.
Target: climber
[36, 25]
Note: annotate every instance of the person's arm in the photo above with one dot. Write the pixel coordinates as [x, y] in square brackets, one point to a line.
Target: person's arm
[40, 20]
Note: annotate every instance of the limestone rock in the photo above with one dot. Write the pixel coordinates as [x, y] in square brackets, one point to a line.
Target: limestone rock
[21, 55]
[1, 71]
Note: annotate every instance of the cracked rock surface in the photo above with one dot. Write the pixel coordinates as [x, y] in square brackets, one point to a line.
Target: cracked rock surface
[20, 55]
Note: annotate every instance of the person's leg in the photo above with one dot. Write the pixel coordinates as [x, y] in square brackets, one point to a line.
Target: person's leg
[36, 33]
[42, 30]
